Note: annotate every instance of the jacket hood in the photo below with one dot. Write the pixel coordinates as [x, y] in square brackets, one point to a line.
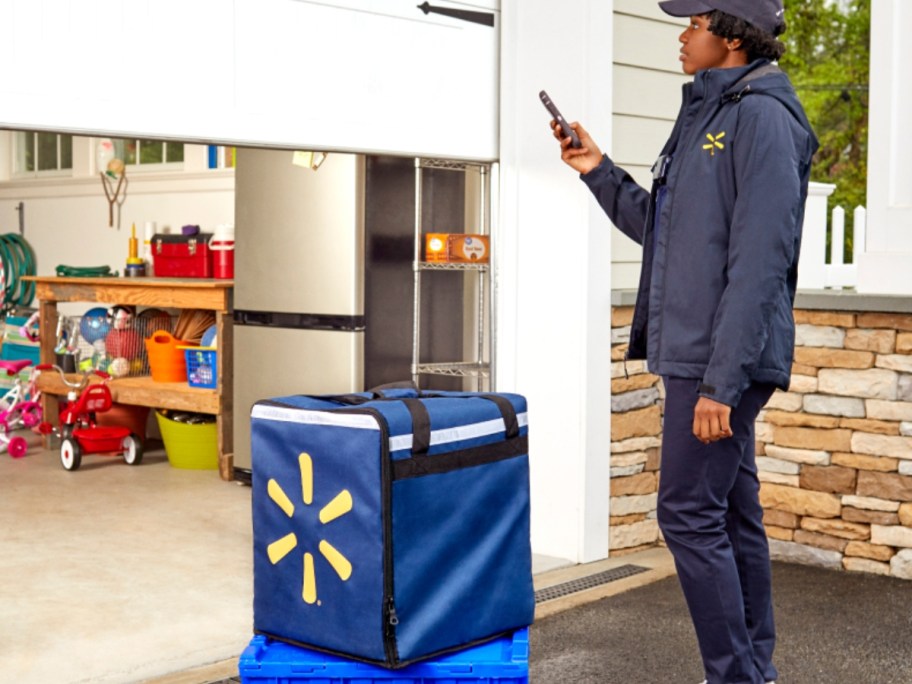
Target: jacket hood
[762, 77]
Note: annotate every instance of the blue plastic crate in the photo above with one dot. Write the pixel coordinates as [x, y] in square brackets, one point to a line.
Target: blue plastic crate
[201, 366]
[501, 661]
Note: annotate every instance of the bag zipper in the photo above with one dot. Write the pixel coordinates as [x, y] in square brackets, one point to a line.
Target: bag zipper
[390, 617]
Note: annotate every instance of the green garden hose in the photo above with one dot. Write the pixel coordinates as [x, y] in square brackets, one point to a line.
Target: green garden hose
[85, 271]
[18, 260]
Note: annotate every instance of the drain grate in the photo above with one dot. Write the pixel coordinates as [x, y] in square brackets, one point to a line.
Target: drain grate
[583, 583]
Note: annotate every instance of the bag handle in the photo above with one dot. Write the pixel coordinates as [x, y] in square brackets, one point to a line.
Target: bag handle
[421, 426]
[410, 395]
[507, 412]
[393, 390]
[421, 419]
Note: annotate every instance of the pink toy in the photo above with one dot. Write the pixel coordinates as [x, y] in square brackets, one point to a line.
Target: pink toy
[19, 408]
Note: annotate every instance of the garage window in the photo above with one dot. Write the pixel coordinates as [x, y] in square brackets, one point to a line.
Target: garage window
[42, 154]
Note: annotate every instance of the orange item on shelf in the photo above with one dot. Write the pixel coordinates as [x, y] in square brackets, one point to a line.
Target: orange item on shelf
[435, 247]
[166, 361]
[468, 248]
[457, 248]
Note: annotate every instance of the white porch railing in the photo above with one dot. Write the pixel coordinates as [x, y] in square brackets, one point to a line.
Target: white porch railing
[814, 273]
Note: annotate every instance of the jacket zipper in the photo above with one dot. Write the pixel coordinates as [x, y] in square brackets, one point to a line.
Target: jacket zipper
[688, 152]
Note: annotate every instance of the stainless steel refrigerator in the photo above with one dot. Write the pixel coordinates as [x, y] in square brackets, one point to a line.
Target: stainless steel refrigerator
[299, 280]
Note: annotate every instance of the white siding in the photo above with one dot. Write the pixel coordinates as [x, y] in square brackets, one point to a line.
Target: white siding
[647, 94]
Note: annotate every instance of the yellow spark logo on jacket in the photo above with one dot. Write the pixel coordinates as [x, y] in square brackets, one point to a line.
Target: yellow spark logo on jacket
[714, 143]
[339, 506]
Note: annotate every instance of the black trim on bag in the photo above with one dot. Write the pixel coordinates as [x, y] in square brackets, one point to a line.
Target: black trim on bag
[399, 664]
[456, 460]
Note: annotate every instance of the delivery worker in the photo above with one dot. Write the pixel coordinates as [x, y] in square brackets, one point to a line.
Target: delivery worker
[720, 230]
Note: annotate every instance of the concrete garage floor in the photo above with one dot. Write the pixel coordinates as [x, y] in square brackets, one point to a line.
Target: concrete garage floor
[115, 573]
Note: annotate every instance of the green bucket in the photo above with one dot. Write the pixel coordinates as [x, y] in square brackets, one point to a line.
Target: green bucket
[188, 446]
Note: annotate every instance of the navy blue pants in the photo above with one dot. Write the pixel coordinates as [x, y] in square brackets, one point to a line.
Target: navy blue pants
[710, 514]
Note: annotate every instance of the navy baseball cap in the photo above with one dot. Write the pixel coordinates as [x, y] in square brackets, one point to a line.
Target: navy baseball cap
[766, 15]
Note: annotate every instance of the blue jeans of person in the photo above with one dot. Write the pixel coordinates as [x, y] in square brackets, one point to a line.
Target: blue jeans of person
[710, 514]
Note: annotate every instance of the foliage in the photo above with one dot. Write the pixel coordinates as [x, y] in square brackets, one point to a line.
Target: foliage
[828, 61]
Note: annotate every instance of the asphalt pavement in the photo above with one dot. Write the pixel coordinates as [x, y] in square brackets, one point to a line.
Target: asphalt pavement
[833, 628]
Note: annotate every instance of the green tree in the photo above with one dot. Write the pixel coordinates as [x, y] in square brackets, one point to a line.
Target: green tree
[828, 61]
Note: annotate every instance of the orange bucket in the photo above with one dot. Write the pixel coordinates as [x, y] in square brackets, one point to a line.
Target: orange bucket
[166, 361]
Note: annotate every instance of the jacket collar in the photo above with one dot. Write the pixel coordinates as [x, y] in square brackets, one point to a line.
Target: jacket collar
[714, 83]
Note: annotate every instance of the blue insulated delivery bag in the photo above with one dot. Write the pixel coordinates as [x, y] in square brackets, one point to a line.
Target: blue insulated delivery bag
[391, 526]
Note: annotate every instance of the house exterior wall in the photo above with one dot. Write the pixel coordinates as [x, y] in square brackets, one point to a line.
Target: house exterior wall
[646, 96]
[834, 453]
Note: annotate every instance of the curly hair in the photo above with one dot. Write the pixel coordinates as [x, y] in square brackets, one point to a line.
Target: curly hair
[757, 43]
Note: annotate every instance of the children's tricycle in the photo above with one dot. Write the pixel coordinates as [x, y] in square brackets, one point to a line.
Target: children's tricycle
[19, 408]
[79, 433]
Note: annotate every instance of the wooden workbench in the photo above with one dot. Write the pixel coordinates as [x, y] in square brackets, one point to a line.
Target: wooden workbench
[168, 293]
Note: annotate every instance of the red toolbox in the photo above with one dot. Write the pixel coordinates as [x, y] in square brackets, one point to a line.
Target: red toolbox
[182, 256]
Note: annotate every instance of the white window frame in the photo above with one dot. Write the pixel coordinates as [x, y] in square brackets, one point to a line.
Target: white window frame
[17, 156]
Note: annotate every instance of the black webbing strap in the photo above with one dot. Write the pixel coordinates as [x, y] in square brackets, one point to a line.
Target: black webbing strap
[377, 393]
[463, 458]
[421, 426]
[511, 424]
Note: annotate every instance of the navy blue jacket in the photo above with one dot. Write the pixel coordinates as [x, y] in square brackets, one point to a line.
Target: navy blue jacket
[721, 231]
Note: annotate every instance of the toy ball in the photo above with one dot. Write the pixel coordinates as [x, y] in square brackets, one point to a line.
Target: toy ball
[119, 367]
[94, 325]
[123, 343]
[85, 365]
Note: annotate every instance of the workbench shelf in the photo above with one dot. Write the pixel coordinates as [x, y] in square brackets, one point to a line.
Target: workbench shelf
[166, 293]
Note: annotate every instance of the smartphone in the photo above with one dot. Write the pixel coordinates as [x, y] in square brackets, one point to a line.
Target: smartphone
[565, 127]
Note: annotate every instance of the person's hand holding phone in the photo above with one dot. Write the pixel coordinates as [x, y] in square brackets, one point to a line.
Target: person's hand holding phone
[578, 150]
[584, 158]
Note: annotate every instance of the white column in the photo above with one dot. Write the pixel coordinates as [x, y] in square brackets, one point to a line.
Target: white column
[812, 263]
[885, 266]
[553, 277]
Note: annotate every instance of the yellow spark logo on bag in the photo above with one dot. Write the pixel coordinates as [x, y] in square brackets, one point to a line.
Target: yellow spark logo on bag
[339, 506]
[714, 143]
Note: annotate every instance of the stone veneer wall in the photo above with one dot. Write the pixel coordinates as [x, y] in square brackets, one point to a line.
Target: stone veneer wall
[834, 453]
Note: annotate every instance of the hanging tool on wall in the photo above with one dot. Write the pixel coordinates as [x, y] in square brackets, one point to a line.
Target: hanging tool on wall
[21, 209]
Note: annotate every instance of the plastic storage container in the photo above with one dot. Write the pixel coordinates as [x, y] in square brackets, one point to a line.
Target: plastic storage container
[189, 446]
[501, 661]
[182, 256]
[166, 360]
[222, 247]
[201, 366]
